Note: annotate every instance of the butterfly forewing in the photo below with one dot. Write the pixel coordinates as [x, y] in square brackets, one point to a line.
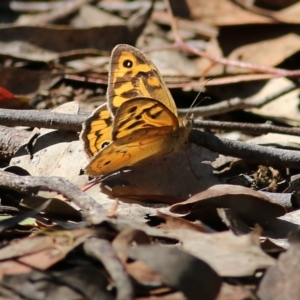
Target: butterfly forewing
[133, 75]
[142, 113]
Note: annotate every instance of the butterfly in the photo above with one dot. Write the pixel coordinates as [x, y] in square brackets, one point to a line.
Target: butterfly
[141, 121]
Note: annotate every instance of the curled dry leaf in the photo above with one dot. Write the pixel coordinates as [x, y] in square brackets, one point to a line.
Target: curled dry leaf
[173, 222]
[192, 276]
[281, 228]
[57, 207]
[250, 205]
[294, 188]
[281, 281]
[125, 208]
[226, 253]
[40, 251]
[167, 179]
[65, 284]
[137, 269]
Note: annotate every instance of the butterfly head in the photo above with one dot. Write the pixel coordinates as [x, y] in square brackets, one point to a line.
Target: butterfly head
[188, 121]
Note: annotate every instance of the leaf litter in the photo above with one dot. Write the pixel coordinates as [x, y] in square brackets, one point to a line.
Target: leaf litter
[200, 223]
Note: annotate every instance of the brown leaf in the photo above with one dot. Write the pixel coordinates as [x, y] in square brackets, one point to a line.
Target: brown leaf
[66, 38]
[57, 207]
[228, 254]
[261, 53]
[283, 109]
[67, 284]
[252, 206]
[183, 271]
[173, 222]
[234, 292]
[223, 13]
[54, 152]
[167, 179]
[24, 82]
[281, 281]
[39, 251]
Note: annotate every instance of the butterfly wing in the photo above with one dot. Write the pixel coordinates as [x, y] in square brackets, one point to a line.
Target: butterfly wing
[142, 128]
[142, 113]
[129, 150]
[97, 130]
[131, 75]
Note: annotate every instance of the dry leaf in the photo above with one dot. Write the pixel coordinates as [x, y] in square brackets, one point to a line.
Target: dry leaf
[168, 179]
[281, 280]
[247, 203]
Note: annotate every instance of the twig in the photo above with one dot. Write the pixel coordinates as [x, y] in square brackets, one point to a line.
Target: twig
[246, 127]
[31, 7]
[261, 154]
[102, 250]
[38, 118]
[260, 11]
[69, 122]
[92, 211]
[237, 103]
[11, 139]
[184, 83]
[177, 37]
[258, 68]
[112, 6]
[268, 156]
[221, 81]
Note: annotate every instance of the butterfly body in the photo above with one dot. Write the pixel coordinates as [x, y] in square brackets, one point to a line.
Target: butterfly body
[143, 120]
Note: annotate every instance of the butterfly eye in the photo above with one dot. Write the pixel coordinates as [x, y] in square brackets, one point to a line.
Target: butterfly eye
[127, 63]
[104, 144]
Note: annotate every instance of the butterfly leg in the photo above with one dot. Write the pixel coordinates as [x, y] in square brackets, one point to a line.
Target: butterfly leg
[189, 162]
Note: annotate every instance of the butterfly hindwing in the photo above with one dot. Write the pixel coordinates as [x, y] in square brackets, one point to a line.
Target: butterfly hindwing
[97, 131]
[128, 150]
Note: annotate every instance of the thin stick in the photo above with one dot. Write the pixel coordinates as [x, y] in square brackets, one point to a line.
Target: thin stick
[238, 103]
[268, 156]
[93, 211]
[38, 118]
[247, 127]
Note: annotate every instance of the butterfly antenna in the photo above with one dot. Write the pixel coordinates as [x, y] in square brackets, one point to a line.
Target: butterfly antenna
[195, 105]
